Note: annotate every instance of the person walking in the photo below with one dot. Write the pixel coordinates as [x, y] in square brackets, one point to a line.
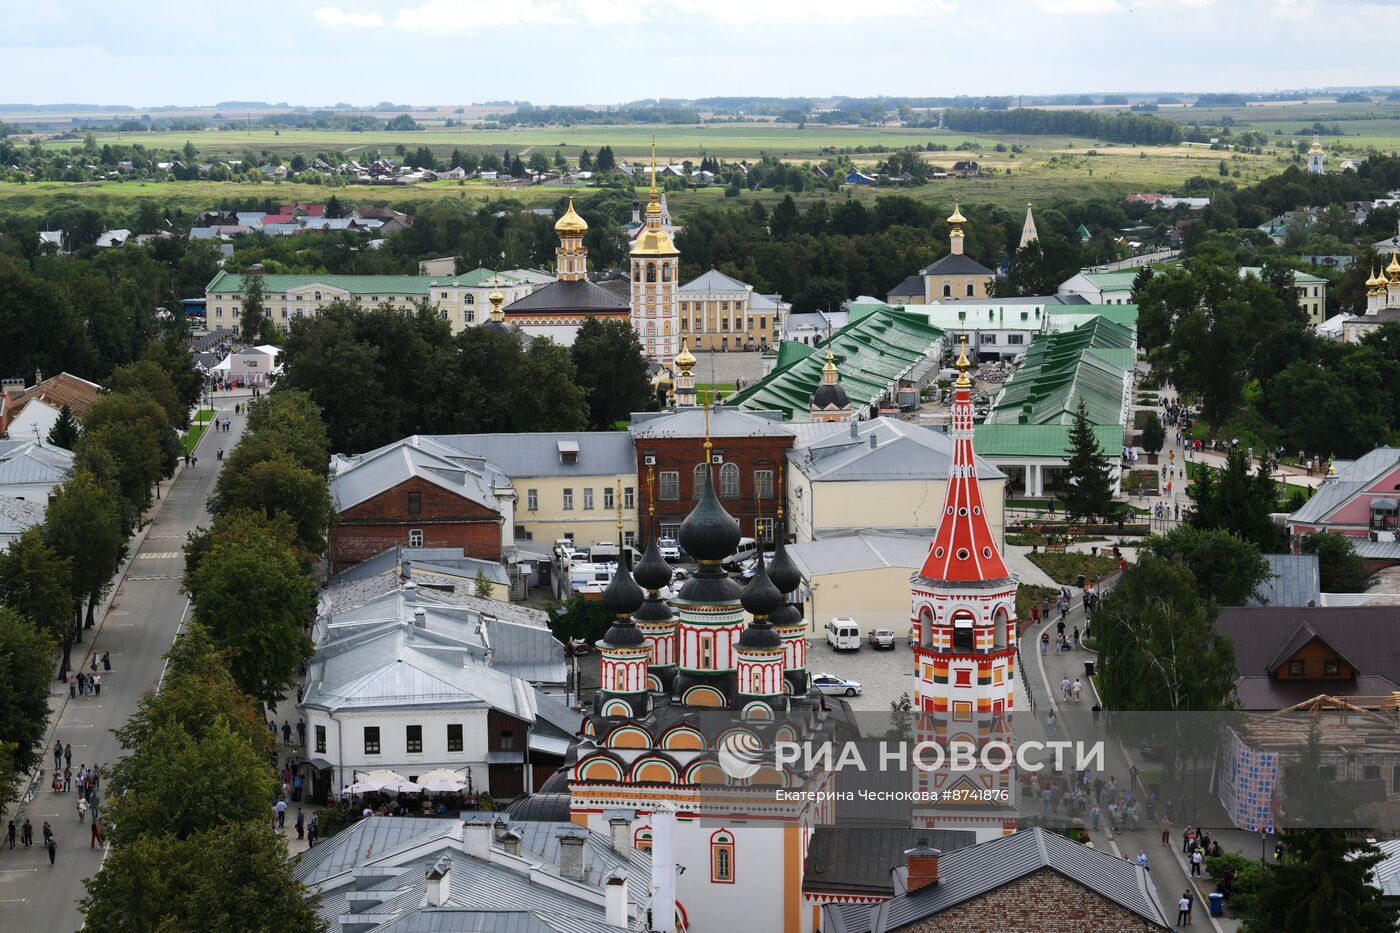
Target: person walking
[97, 838]
[97, 685]
[301, 732]
[1183, 910]
[286, 732]
[26, 833]
[53, 849]
[1045, 642]
[1197, 858]
[1166, 831]
[48, 832]
[67, 779]
[1050, 723]
[107, 662]
[301, 823]
[68, 755]
[82, 810]
[1076, 689]
[311, 831]
[57, 754]
[1065, 687]
[1097, 710]
[281, 814]
[72, 686]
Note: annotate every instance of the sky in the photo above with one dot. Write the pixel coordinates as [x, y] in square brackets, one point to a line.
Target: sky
[320, 52]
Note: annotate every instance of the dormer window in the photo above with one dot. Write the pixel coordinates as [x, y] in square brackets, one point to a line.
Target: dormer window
[568, 451]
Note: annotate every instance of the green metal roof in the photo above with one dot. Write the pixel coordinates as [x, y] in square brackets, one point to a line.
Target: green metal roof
[229, 283]
[872, 352]
[1060, 370]
[1299, 278]
[1068, 317]
[790, 351]
[1112, 281]
[1039, 440]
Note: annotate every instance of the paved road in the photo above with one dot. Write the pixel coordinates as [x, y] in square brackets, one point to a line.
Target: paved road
[141, 621]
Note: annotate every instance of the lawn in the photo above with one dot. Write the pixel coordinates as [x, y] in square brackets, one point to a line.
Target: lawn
[198, 425]
[713, 392]
[1028, 595]
[1067, 568]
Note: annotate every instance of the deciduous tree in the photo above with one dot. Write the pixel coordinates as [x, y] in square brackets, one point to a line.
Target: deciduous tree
[1227, 569]
[24, 698]
[612, 371]
[83, 523]
[1341, 569]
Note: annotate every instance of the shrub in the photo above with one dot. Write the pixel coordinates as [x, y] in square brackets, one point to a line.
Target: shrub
[1249, 878]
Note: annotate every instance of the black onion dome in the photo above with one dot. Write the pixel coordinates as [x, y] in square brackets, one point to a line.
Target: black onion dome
[623, 596]
[782, 571]
[786, 614]
[761, 597]
[709, 533]
[830, 396]
[655, 610]
[652, 571]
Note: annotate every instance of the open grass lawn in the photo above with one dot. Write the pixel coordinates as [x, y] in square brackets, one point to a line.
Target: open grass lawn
[198, 425]
[1028, 595]
[1066, 568]
[713, 392]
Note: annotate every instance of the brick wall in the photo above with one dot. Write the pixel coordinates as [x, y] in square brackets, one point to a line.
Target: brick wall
[681, 454]
[1044, 901]
[445, 518]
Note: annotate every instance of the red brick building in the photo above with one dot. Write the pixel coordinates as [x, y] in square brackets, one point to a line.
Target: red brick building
[406, 495]
[748, 454]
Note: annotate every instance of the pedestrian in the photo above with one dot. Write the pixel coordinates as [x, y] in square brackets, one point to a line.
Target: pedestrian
[67, 779]
[1166, 830]
[1076, 689]
[301, 732]
[311, 831]
[97, 684]
[26, 833]
[1183, 910]
[1142, 859]
[57, 754]
[72, 686]
[272, 727]
[1076, 637]
[1094, 816]
[82, 684]
[68, 755]
[1050, 723]
[1097, 710]
[187, 458]
[106, 662]
[82, 809]
[48, 832]
[1045, 642]
[97, 839]
[53, 849]
[1065, 687]
[286, 732]
[94, 662]
[10, 834]
[1197, 858]
[281, 814]
[1098, 788]
[301, 823]
[1187, 837]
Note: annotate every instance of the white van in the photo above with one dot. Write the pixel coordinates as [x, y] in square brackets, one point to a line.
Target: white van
[747, 551]
[670, 549]
[843, 634]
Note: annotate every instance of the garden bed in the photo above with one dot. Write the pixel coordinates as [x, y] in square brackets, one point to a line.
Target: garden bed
[1067, 568]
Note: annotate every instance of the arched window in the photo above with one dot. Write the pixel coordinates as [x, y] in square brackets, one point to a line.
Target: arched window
[729, 481]
[970, 290]
[722, 857]
[318, 296]
[963, 639]
[651, 272]
[471, 299]
[699, 471]
[665, 272]
[947, 290]
[1001, 630]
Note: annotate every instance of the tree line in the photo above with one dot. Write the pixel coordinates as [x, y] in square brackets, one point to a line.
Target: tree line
[1138, 128]
[55, 573]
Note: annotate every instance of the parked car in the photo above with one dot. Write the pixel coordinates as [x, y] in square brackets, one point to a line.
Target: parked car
[670, 549]
[750, 567]
[832, 685]
[746, 551]
[679, 574]
[843, 634]
[881, 638]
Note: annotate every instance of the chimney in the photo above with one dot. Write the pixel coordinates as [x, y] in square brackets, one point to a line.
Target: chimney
[510, 841]
[621, 832]
[855, 429]
[873, 442]
[439, 881]
[615, 899]
[571, 856]
[476, 839]
[420, 618]
[922, 861]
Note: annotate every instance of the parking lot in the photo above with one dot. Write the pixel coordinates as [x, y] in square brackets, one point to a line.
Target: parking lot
[883, 675]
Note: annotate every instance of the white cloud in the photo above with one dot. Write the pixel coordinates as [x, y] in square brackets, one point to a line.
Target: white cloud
[334, 16]
[471, 15]
[1079, 7]
[474, 15]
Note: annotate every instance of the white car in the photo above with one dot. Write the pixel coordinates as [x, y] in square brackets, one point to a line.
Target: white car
[670, 549]
[881, 638]
[832, 685]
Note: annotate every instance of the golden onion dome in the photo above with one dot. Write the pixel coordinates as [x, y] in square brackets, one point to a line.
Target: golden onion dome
[956, 217]
[685, 359]
[571, 223]
[1394, 268]
[1371, 280]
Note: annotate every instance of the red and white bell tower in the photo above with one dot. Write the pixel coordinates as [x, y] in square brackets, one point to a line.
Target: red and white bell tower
[964, 615]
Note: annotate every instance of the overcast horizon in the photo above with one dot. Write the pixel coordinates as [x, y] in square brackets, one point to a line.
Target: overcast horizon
[595, 52]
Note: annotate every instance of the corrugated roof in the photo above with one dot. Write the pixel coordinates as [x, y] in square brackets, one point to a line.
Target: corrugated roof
[1299, 278]
[16, 517]
[724, 421]
[600, 453]
[358, 479]
[1112, 281]
[873, 352]
[24, 463]
[829, 452]
[1293, 580]
[859, 551]
[1352, 479]
[1039, 440]
[714, 281]
[565, 295]
[966, 874]
[361, 285]
[63, 389]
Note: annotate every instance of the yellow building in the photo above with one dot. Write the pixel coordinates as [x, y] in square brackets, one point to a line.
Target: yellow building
[861, 576]
[882, 474]
[954, 277]
[718, 312]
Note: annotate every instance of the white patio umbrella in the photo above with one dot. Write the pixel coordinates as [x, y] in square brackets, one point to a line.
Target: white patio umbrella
[389, 782]
[442, 780]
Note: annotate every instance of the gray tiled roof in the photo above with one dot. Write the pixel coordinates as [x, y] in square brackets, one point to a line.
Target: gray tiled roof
[1352, 479]
[860, 859]
[358, 479]
[537, 454]
[580, 295]
[859, 551]
[912, 285]
[972, 872]
[26, 462]
[713, 281]
[723, 422]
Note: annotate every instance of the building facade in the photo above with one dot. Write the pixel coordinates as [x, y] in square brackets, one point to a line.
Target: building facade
[655, 270]
[718, 312]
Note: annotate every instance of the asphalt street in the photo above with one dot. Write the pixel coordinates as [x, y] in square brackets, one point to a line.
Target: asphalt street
[142, 617]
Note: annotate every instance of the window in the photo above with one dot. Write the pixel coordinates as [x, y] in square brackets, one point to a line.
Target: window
[471, 300]
[670, 529]
[670, 485]
[415, 537]
[609, 498]
[707, 651]
[989, 338]
[471, 315]
[947, 290]
[321, 739]
[1016, 339]
[724, 323]
[588, 498]
[962, 711]
[629, 497]
[722, 857]
[413, 738]
[284, 314]
[695, 484]
[763, 530]
[1331, 668]
[699, 325]
[729, 481]
[1327, 772]
[763, 323]
[685, 325]
[763, 483]
[443, 294]
[970, 290]
[651, 272]
[629, 538]
[454, 736]
[568, 500]
[507, 740]
[1295, 668]
[1371, 772]
[532, 500]
[371, 740]
[415, 503]
[665, 272]
[685, 306]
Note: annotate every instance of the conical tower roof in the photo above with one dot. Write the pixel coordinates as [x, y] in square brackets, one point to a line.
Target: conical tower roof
[963, 549]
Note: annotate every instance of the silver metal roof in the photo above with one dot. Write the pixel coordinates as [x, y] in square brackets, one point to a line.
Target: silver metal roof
[859, 551]
[827, 452]
[723, 422]
[1293, 580]
[357, 479]
[1352, 478]
[600, 453]
[27, 462]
